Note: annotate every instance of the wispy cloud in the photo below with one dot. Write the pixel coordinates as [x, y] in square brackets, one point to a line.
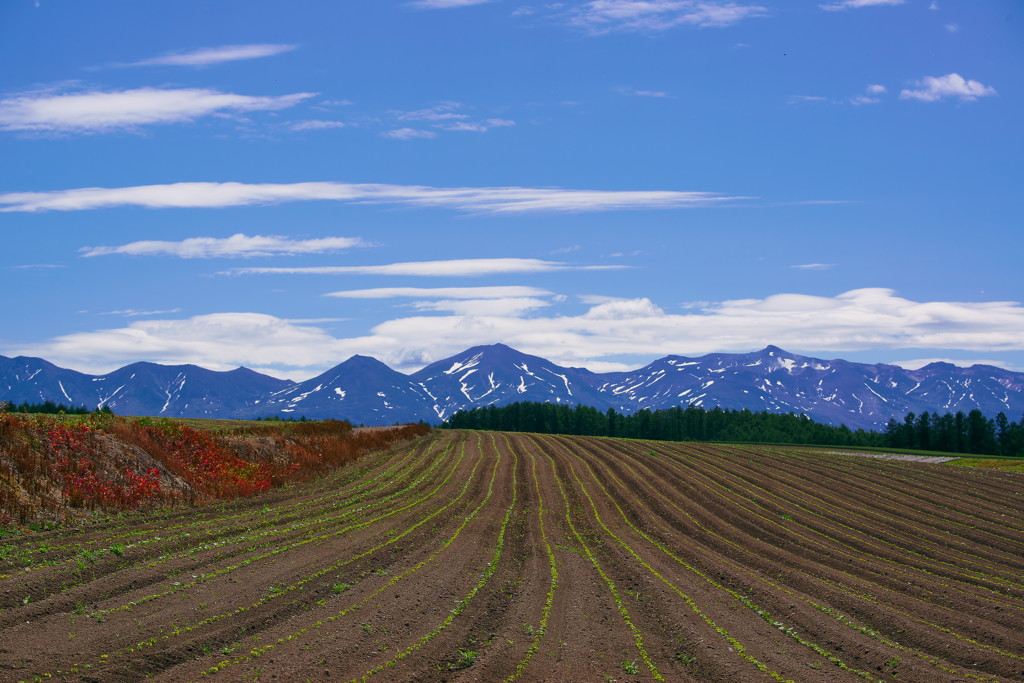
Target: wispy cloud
[206, 56]
[633, 92]
[511, 306]
[105, 111]
[794, 99]
[448, 116]
[604, 16]
[315, 124]
[445, 4]
[441, 292]
[409, 134]
[872, 97]
[236, 246]
[856, 320]
[478, 199]
[445, 268]
[935, 88]
[446, 111]
[855, 4]
[814, 266]
[133, 313]
[37, 266]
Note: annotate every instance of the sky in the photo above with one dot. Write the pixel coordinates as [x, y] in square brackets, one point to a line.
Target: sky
[598, 182]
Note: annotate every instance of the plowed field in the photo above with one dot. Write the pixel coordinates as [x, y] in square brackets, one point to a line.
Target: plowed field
[475, 556]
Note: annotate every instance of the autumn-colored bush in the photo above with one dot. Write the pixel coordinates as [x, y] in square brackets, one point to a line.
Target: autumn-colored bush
[51, 466]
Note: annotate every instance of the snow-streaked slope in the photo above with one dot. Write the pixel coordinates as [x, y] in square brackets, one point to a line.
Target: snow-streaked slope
[499, 375]
[361, 390]
[137, 389]
[830, 391]
[365, 391]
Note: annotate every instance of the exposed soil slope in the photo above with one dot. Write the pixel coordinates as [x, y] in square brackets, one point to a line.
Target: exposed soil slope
[481, 556]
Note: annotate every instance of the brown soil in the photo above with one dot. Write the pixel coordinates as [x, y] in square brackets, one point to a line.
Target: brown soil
[476, 556]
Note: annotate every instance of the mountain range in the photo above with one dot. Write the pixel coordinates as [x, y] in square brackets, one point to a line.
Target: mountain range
[365, 391]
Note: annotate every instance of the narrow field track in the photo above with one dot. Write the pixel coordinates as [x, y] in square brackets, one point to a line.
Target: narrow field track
[486, 556]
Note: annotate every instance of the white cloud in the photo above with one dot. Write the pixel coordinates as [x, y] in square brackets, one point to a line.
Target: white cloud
[854, 4]
[409, 134]
[215, 55]
[450, 268]
[465, 126]
[445, 4]
[133, 313]
[642, 93]
[604, 16]
[443, 116]
[932, 89]
[236, 246]
[857, 320]
[480, 199]
[814, 266]
[595, 299]
[441, 292]
[37, 266]
[953, 27]
[873, 89]
[512, 306]
[446, 111]
[99, 111]
[793, 99]
[315, 125]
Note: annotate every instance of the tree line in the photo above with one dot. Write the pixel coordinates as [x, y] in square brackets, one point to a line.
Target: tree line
[957, 433]
[951, 433]
[692, 423]
[49, 408]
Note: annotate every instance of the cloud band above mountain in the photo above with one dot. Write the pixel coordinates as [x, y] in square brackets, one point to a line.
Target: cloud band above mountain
[599, 338]
[209, 195]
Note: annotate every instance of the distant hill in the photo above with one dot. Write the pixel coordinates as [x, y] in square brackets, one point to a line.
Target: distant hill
[365, 391]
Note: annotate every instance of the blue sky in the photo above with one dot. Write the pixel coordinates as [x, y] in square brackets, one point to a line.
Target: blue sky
[598, 182]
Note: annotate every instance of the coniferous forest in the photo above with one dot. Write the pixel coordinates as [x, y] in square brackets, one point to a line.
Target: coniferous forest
[951, 433]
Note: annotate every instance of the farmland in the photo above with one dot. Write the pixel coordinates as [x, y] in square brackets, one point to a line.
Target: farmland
[495, 556]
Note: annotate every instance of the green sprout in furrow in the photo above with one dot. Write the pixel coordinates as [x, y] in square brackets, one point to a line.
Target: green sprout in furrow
[819, 503]
[623, 612]
[859, 552]
[738, 647]
[260, 651]
[284, 591]
[870, 632]
[917, 488]
[922, 526]
[924, 531]
[345, 511]
[461, 605]
[216, 521]
[742, 599]
[553, 584]
[854, 554]
[282, 549]
[228, 541]
[178, 587]
[214, 526]
[867, 630]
